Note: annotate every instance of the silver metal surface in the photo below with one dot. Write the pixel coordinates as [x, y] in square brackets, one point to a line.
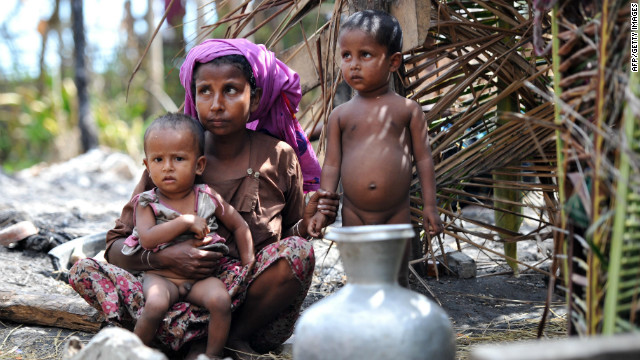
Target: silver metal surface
[372, 317]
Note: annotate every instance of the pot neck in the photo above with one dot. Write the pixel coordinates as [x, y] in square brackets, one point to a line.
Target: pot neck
[372, 262]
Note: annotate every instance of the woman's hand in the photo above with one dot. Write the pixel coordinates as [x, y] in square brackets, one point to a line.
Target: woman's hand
[326, 202]
[316, 224]
[186, 260]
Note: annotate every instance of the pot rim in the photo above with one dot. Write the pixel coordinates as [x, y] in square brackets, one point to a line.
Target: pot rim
[370, 233]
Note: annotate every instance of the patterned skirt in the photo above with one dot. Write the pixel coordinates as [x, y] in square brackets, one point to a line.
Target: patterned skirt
[118, 295]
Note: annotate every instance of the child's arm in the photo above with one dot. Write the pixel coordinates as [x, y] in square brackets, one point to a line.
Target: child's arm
[152, 235]
[424, 163]
[330, 169]
[333, 159]
[240, 229]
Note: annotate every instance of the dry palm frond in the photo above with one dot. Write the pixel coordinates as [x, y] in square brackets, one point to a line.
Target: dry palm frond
[476, 55]
[593, 59]
[466, 66]
[469, 66]
[512, 332]
[621, 310]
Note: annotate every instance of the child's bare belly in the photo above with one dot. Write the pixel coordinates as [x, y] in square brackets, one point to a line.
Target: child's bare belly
[171, 276]
[376, 186]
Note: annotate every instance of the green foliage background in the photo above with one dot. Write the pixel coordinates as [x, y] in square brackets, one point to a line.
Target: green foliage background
[41, 125]
[37, 127]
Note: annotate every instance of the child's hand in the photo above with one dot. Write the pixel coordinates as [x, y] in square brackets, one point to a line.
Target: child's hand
[197, 225]
[431, 221]
[325, 202]
[316, 224]
[206, 240]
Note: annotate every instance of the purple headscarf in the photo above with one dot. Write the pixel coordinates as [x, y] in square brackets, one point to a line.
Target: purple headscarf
[279, 102]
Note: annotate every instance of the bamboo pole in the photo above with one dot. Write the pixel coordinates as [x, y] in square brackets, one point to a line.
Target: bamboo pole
[507, 199]
[560, 144]
[594, 287]
[618, 231]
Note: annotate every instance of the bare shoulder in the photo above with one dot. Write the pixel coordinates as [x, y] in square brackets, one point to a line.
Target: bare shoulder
[410, 105]
[341, 109]
[336, 115]
[344, 111]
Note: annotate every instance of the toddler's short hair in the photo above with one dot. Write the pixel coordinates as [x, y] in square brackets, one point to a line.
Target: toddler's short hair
[178, 121]
[381, 25]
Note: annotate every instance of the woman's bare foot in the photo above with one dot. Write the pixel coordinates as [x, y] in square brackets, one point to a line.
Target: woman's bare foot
[241, 350]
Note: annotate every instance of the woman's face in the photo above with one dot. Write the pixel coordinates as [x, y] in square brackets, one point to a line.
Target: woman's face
[223, 98]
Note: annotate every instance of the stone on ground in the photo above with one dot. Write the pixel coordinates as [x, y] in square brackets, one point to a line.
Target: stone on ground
[111, 343]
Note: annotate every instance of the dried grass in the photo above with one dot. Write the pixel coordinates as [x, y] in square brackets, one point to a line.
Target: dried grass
[495, 332]
[42, 348]
[514, 331]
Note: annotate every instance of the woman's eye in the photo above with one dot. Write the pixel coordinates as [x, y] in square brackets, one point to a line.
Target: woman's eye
[204, 91]
[231, 90]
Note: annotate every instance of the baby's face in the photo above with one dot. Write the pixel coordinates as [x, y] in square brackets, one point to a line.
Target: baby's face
[365, 65]
[170, 158]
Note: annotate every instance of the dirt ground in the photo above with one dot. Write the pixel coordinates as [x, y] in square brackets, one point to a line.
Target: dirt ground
[84, 196]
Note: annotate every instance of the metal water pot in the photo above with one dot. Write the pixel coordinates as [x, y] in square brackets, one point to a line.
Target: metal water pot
[372, 316]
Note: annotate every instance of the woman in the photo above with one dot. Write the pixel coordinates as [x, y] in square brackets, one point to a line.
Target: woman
[237, 90]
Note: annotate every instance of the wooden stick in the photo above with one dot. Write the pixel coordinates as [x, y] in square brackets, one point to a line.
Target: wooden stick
[415, 273]
[497, 253]
[49, 310]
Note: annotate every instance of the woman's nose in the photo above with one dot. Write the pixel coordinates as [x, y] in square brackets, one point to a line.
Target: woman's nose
[217, 102]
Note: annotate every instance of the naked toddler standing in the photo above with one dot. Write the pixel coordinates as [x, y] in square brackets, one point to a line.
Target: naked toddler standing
[374, 138]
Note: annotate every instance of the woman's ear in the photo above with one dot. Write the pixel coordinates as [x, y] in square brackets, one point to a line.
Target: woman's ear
[395, 60]
[200, 164]
[255, 99]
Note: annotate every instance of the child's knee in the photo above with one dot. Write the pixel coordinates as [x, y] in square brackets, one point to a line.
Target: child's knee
[156, 306]
[218, 302]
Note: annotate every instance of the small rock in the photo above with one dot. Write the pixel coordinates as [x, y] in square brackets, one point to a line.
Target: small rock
[460, 263]
[112, 343]
[17, 232]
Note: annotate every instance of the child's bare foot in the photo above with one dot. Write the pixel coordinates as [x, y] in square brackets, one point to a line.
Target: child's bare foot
[241, 350]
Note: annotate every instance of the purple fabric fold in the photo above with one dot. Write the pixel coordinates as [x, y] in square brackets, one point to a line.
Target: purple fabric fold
[277, 81]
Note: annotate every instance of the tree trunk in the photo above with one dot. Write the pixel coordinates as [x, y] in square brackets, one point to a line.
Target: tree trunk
[155, 64]
[200, 21]
[88, 132]
[44, 27]
[505, 198]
